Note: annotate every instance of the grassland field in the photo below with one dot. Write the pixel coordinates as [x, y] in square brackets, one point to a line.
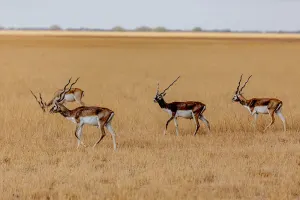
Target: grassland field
[38, 155]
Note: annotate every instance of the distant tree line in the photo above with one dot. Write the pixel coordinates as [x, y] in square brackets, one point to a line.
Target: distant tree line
[56, 27]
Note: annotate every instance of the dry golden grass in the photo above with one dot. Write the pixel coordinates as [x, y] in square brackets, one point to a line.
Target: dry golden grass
[38, 155]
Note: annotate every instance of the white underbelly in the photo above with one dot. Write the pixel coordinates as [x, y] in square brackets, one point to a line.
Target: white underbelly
[261, 109]
[181, 113]
[91, 120]
[69, 97]
[184, 113]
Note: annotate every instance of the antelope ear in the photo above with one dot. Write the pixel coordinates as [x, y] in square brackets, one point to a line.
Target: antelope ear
[163, 94]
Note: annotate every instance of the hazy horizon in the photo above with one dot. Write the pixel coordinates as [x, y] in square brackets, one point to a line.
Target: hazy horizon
[272, 15]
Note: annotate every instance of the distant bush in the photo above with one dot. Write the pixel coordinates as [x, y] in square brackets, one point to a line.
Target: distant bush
[225, 30]
[160, 29]
[143, 29]
[197, 29]
[55, 28]
[118, 29]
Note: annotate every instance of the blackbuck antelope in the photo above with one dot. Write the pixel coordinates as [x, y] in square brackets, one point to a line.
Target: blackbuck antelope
[75, 94]
[259, 105]
[84, 115]
[188, 109]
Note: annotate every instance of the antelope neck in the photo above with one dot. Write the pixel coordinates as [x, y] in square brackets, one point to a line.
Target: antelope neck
[162, 103]
[65, 112]
[243, 100]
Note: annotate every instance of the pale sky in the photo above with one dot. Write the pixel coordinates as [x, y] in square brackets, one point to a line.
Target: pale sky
[174, 14]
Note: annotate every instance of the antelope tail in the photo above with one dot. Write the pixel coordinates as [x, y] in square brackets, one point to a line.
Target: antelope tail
[278, 107]
[203, 109]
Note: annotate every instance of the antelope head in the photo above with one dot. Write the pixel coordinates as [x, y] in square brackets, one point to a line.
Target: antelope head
[58, 107]
[160, 95]
[238, 92]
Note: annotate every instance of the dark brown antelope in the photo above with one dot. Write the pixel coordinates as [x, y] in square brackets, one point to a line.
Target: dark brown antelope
[188, 109]
[84, 115]
[257, 106]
